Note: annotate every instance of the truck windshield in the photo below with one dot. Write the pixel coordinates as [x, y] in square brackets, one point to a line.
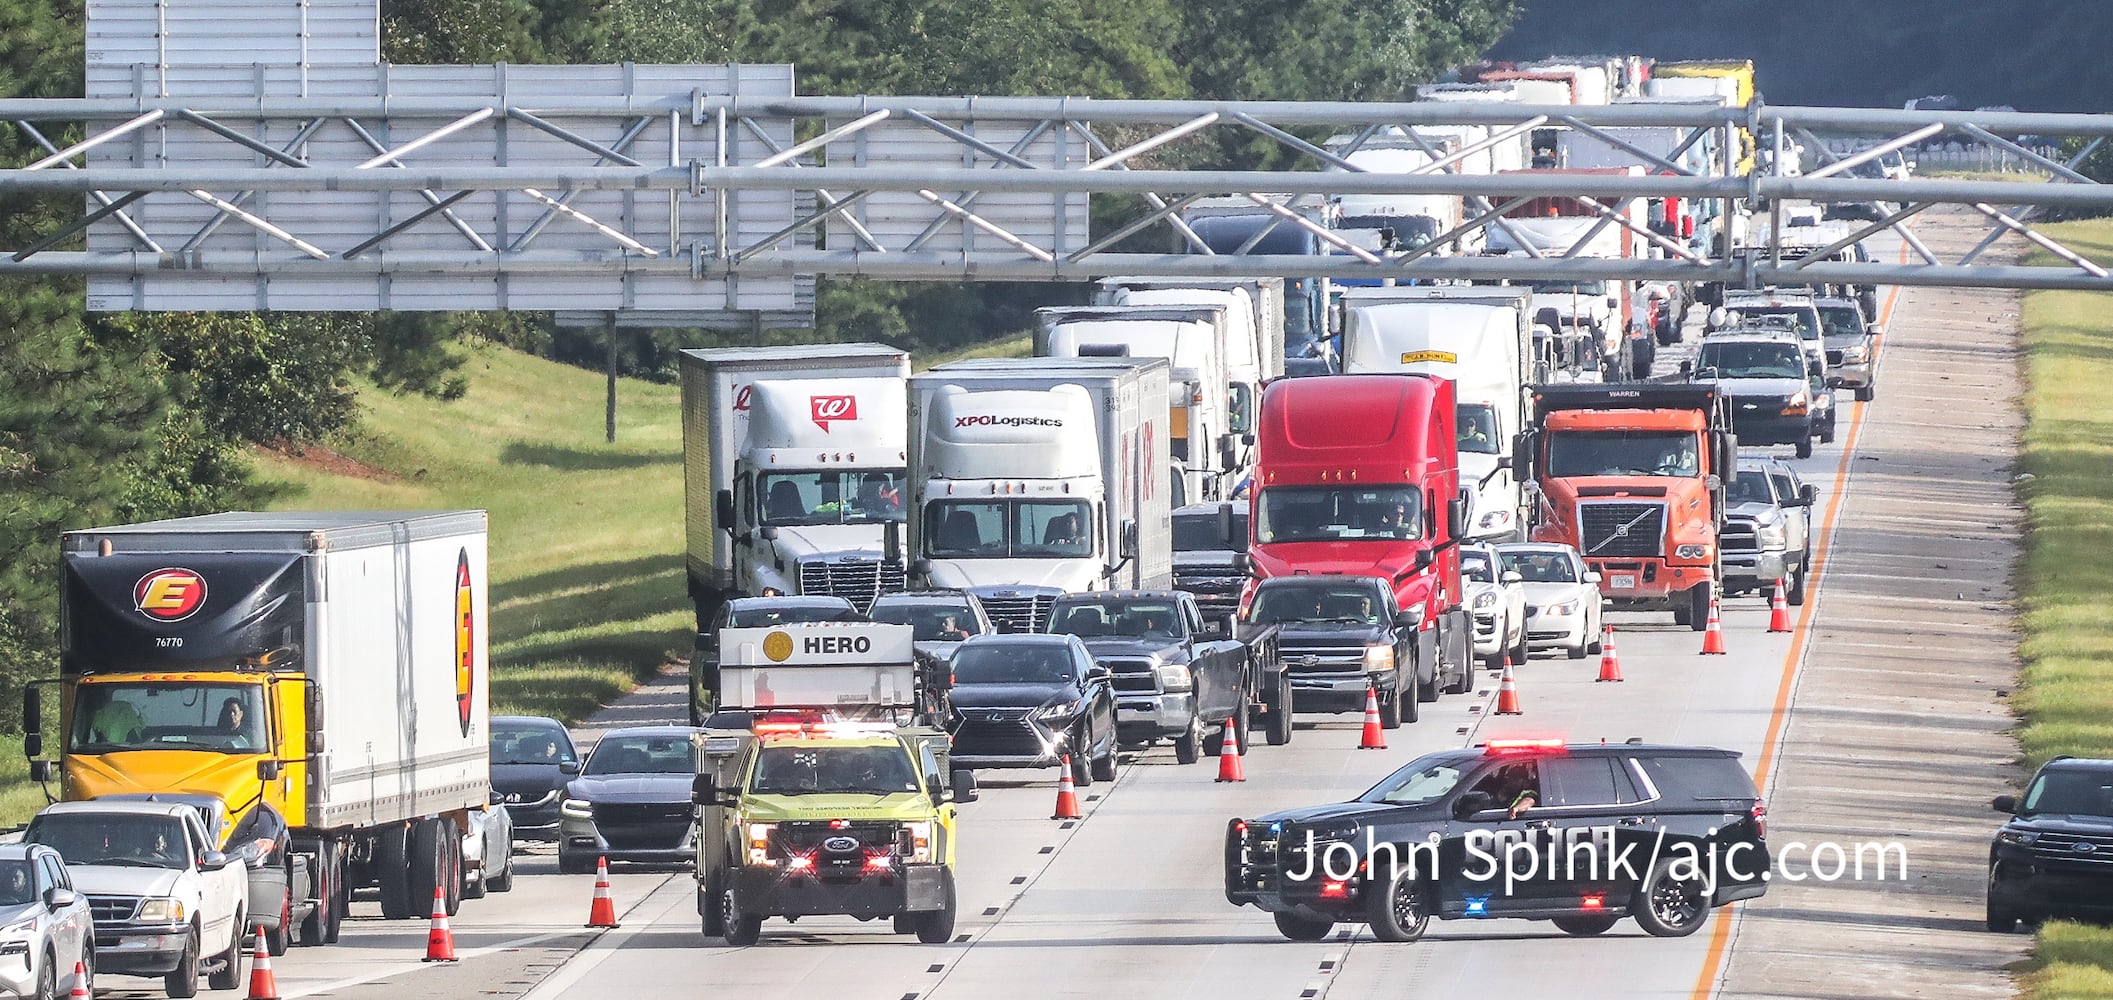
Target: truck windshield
[134, 840]
[1013, 663]
[1751, 360]
[812, 770]
[1477, 428]
[831, 497]
[643, 755]
[1346, 603]
[227, 718]
[1009, 529]
[1334, 514]
[1128, 619]
[1199, 533]
[1623, 453]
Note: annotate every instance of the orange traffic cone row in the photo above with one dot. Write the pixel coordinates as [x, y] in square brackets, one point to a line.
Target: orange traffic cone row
[1067, 806]
[1713, 633]
[1229, 768]
[1375, 738]
[262, 985]
[80, 977]
[1508, 694]
[602, 912]
[1778, 610]
[1609, 661]
[440, 941]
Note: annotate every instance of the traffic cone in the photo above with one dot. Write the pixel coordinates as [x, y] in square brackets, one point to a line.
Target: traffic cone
[1713, 633]
[1609, 661]
[80, 980]
[440, 941]
[262, 985]
[1067, 806]
[1778, 610]
[602, 912]
[1375, 738]
[1229, 768]
[1508, 695]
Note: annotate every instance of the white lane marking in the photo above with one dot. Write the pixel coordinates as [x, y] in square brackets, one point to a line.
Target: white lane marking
[588, 959]
[398, 970]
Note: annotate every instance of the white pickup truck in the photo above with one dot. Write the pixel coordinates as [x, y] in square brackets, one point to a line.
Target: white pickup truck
[166, 903]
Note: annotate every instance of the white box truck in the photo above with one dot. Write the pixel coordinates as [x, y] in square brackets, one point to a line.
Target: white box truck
[1032, 478]
[330, 665]
[1203, 453]
[1481, 338]
[793, 463]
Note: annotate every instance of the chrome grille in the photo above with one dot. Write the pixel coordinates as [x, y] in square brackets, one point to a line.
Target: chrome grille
[1621, 529]
[1834, 358]
[1739, 535]
[113, 909]
[2064, 847]
[1026, 613]
[857, 580]
[1310, 660]
[1132, 676]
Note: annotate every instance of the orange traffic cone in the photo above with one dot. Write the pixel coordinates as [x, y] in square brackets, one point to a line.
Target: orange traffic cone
[262, 985]
[1067, 806]
[1508, 695]
[440, 941]
[1229, 768]
[1713, 633]
[1778, 610]
[1609, 661]
[602, 912]
[80, 977]
[1375, 738]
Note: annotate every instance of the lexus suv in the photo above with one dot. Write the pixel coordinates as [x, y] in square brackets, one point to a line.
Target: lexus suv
[2054, 857]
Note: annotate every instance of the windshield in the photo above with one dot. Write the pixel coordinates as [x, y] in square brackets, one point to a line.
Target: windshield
[2077, 793]
[1129, 619]
[1799, 317]
[1009, 529]
[928, 622]
[1623, 453]
[1842, 321]
[1334, 514]
[1541, 567]
[643, 755]
[1199, 533]
[1477, 428]
[1750, 487]
[832, 497]
[1582, 288]
[226, 718]
[1014, 663]
[1751, 360]
[768, 615]
[18, 885]
[1475, 566]
[138, 841]
[521, 743]
[1420, 783]
[1347, 603]
[883, 770]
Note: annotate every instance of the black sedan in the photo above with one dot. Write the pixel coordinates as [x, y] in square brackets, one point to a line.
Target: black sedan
[532, 761]
[1030, 701]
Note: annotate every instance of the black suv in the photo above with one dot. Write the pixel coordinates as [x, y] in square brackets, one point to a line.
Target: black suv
[1581, 835]
[2055, 856]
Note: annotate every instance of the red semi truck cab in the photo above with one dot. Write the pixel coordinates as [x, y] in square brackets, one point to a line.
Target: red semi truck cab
[1632, 475]
[1358, 475]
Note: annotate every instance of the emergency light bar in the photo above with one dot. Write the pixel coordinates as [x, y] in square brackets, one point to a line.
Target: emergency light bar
[1494, 747]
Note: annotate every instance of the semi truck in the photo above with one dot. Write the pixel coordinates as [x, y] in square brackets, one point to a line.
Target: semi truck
[793, 463]
[1633, 476]
[1613, 310]
[1359, 477]
[1035, 477]
[1194, 340]
[1480, 338]
[329, 666]
[1254, 342]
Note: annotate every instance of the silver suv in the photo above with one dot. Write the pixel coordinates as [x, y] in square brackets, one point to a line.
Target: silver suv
[1767, 532]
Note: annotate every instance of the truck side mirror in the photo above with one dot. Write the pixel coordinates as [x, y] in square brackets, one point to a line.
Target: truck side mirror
[1225, 524]
[1129, 549]
[40, 771]
[965, 786]
[1510, 577]
[212, 861]
[941, 796]
[1814, 368]
[312, 701]
[1809, 494]
[1522, 455]
[1243, 562]
[704, 790]
[891, 543]
[33, 745]
[1423, 560]
[768, 532]
[723, 508]
[1228, 451]
[267, 770]
[1403, 619]
[32, 721]
[568, 767]
[1455, 518]
[921, 569]
[1687, 369]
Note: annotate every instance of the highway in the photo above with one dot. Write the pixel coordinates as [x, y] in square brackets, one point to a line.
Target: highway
[1127, 901]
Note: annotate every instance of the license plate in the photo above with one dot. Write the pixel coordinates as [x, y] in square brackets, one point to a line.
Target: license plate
[1622, 582]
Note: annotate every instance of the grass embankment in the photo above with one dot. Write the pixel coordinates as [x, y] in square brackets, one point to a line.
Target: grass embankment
[2066, 580]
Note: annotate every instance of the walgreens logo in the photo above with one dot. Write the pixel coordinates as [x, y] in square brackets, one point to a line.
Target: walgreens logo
[993, 420]
[824, 409]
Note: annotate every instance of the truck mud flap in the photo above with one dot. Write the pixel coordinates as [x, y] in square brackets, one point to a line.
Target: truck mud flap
[924, 888]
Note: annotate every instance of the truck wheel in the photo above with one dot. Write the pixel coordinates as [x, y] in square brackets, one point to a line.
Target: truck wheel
[1428, 691]
[573, 864]
[1670, 906]
[428, 867]
[1188, 747]
[1698, 608]
[277, 941]
[340, 893]
[1081, 764]
[1866, 393]
[937, 926]
[1390, 709]
[1302, 929]
[1680, 616]
[1582, 926]
[1398, 910]
[1796, 594]
[709, 908]
[1279, 723]
[316, 925]
[1804, 447]
[230, 975]
[451, 851]
[741, 930]
[182, 981]
[392, 868]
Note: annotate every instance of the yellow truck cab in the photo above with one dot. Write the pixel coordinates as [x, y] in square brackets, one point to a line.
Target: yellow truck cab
[804, 818]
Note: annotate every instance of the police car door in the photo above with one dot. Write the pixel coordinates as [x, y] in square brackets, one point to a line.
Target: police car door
[1493, 864]
[1582, 815]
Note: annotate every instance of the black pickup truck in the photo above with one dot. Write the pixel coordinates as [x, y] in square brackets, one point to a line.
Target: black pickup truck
[1342, 634]
[1178, 676]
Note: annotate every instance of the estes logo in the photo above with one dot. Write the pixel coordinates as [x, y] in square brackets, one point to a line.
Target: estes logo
[169, 595]
[465, 640]
[825, 409]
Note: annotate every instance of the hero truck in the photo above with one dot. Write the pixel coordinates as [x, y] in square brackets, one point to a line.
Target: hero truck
[792, 472]
[1036, 477]
[1358, 476]
[860, 671]
[1633, 476]
[330, 667]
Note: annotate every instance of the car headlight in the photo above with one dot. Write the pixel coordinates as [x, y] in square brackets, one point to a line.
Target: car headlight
[1379, 659]
[577, 808]
[162, 910]
[759, 842]
[1690, 551]
[920, 841]
[1173, 677]
[1485, 599]
[1564, 609]
[1855, 355]
[20, 928]
[1048, 712]
[2017, 836]
[1772, 536]
[1795, 406]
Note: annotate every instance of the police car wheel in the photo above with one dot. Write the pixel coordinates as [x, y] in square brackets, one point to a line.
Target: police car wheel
[1671, 905]
[1301, 929]
[1584, 926]
[1398, 910]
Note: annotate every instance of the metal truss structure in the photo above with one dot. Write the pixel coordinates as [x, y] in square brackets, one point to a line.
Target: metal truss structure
[287, 202]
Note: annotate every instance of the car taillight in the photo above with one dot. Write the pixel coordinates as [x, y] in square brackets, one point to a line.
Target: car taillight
[1760, 817]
